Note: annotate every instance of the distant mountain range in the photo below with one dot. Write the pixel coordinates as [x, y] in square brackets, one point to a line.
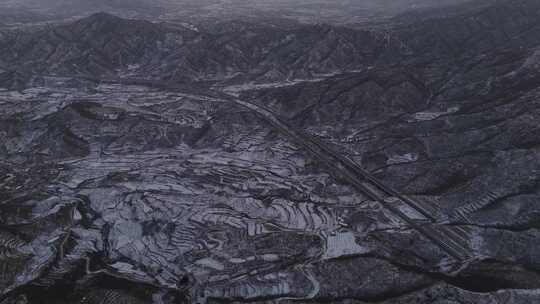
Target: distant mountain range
[310, 11]
[236, 51]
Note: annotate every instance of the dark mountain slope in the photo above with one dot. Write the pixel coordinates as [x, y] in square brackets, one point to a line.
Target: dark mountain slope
[237, 51]
[102, 44]
[105, 44]
[276, 54]
[448, 120]
[503, 25]
[95, 45]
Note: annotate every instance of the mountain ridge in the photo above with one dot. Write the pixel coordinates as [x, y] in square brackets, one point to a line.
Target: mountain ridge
[233, 49]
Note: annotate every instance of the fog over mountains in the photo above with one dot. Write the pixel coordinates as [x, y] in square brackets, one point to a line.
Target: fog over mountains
[369, 4]
[267, 152]
[307, 10]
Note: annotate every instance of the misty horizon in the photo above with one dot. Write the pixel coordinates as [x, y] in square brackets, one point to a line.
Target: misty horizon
[341, 10]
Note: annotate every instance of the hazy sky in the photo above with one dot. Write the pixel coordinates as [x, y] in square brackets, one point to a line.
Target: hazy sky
[290, 3]
[328, 9]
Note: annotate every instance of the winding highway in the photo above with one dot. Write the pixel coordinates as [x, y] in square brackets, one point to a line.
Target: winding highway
[453, 241]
